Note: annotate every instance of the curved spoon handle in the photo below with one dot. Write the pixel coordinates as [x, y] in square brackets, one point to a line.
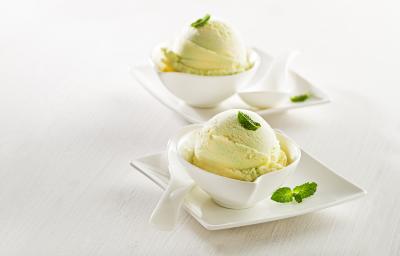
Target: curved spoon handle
[262, 70]
[277, 75]
[166, 213]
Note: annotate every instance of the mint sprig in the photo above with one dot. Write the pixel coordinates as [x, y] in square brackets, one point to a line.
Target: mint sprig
[246, 122]
[300, 98]
[286, 195]
[306, 190]
[283, 195]
[201, 22]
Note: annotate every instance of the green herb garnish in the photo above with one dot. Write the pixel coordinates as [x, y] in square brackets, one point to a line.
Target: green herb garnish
[246, 122]
[201, 22]
[300, 98]
[286, 195]
[283, 195]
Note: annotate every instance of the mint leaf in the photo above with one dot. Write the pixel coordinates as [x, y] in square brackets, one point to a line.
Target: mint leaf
[246, 122]
[306, 190]
[300, 98]
[282, 195]
[286, 195]
[201, 22]
[298, 198]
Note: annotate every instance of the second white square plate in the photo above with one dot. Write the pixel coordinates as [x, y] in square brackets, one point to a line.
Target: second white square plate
[332, 190]
[148, 79]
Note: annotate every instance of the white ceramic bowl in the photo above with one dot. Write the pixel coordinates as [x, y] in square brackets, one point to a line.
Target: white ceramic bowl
[205, 91]
[232, 193]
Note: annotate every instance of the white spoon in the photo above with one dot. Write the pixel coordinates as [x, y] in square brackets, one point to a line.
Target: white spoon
[273, 89]
[166, 213]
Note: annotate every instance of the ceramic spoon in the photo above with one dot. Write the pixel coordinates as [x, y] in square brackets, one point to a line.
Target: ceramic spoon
[166, 213]
[273, 90]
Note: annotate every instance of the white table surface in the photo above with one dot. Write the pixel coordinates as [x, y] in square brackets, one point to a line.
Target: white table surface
[71, 119]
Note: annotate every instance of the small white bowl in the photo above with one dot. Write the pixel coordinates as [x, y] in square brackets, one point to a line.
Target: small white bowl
[205, 91]
[232, 193]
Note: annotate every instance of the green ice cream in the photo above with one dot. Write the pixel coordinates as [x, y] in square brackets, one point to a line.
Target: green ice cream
[225, 147]
[207, 48]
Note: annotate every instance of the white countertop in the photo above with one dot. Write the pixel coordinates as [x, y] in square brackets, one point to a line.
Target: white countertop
[72, 118]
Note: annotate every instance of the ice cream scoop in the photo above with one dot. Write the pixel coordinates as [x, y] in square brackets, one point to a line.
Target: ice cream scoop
[238, 144]
[206, 47]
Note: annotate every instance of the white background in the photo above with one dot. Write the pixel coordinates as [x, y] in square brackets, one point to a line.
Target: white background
[71, 119]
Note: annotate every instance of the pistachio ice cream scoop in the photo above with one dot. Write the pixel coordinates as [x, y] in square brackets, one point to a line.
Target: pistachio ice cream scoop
[238, 144]
[206, 47]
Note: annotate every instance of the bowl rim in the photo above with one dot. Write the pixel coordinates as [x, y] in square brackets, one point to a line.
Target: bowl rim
[193, 127]
[251, 51]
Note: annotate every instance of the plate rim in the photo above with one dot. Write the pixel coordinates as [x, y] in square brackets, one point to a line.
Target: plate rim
[361, 192]
[134, 69]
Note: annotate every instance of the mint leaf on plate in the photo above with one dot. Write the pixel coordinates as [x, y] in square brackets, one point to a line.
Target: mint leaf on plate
[246, 122]
[300, 98]
[286, 195]
[306, 190]
[282, 195]
[298, 198]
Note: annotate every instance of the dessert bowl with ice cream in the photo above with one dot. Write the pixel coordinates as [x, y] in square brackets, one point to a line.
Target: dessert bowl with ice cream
[206, 63]
[236, 157]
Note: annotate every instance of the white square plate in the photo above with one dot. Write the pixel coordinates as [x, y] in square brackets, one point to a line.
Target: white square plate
[148, 79]
[332, 190]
